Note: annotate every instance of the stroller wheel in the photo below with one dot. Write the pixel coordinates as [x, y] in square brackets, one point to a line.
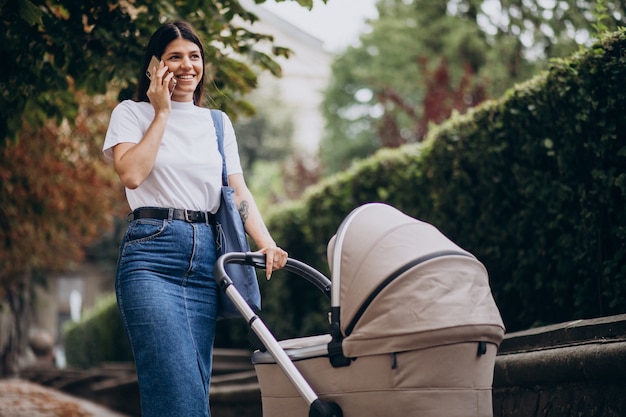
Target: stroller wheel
[321, 408]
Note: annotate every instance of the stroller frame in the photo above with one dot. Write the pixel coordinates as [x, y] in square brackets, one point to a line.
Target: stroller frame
[317, 407]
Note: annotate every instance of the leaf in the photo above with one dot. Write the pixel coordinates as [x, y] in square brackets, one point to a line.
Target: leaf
[29, 13]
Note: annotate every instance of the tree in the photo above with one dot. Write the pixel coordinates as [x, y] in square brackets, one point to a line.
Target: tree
[384, 87]
[46, 43]
[57, 194]
[64, 63]
[440, 99]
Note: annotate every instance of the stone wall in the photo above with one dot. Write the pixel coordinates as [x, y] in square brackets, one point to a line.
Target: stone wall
[570, 369]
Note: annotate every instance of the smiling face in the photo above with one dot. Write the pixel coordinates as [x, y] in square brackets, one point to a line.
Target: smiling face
[184, 59]
[181, 50]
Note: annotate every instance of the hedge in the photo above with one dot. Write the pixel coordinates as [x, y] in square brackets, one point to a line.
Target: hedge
[533, 184]
[98, 337]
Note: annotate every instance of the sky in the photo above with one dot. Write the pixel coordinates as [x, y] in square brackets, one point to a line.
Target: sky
[338, 23]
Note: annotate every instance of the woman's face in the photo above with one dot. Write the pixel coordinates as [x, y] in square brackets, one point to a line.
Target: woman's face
[183, 58]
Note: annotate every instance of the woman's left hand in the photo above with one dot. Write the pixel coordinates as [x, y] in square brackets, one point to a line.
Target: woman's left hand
[275, 259]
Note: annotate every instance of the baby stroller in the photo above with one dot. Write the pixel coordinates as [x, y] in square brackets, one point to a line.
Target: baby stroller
[414, 328]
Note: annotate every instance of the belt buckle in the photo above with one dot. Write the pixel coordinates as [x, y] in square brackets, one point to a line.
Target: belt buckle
[187, 219]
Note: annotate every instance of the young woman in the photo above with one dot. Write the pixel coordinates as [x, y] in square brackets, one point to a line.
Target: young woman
[165, 152]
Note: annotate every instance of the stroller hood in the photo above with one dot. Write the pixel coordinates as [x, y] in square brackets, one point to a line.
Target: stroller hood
[400, 284]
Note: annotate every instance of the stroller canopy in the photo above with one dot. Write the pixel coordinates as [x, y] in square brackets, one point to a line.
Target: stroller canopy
[401, 285]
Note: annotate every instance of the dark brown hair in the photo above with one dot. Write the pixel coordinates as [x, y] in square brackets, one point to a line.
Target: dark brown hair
[157, 44]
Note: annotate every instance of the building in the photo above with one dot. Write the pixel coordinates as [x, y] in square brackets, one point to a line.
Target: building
[305, 76]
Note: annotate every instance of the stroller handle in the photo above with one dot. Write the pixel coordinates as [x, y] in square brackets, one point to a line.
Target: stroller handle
[318, 408]
[257, 260]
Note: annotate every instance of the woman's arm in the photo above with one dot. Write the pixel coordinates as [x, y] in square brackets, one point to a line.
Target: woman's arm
[275, 257]
[133, 162]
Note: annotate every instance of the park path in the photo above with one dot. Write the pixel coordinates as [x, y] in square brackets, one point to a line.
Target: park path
[20, 398]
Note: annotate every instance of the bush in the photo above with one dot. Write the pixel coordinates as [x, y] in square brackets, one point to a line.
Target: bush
[98, 337]
[533, 184]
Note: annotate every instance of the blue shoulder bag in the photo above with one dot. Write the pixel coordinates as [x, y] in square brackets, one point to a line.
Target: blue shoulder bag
[230, 236]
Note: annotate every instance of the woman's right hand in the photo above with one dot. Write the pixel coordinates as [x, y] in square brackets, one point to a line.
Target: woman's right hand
[158, 90]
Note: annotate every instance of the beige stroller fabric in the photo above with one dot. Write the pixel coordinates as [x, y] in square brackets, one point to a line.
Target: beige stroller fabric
[443, 300]
[443, 381]
[418, 320]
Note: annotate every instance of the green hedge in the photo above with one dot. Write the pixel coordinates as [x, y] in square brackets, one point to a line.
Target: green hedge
[533, 184]
[98, 337]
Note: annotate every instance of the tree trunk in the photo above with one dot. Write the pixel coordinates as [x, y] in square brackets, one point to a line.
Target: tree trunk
[14, 323]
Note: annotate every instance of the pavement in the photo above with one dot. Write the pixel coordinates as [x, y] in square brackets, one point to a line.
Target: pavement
[20, 398]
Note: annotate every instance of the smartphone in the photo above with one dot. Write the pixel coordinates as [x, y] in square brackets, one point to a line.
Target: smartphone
[156, 63]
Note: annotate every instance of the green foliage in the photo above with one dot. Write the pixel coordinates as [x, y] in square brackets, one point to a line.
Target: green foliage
[488, 45]
[601, 14]
[98, 337]
[50, 48]
[533, 184]
[266, 184]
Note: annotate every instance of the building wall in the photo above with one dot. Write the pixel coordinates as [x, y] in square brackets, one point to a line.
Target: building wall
[305, 76]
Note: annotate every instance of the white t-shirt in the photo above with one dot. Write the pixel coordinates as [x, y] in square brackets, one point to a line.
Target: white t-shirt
[187, 173]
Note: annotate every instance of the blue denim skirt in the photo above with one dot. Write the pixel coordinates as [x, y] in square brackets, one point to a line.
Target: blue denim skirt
[167, 298]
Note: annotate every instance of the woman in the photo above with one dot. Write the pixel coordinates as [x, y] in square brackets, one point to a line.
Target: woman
[165, 152]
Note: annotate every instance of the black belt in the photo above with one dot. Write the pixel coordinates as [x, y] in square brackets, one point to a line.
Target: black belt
[189, 216]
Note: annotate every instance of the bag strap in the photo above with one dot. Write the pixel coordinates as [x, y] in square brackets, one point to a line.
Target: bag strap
[218, 122]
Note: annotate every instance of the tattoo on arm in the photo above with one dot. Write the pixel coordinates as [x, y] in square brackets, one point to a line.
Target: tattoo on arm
[244, 211]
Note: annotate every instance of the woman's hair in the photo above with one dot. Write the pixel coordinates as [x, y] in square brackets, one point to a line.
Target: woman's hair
[157, 44]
